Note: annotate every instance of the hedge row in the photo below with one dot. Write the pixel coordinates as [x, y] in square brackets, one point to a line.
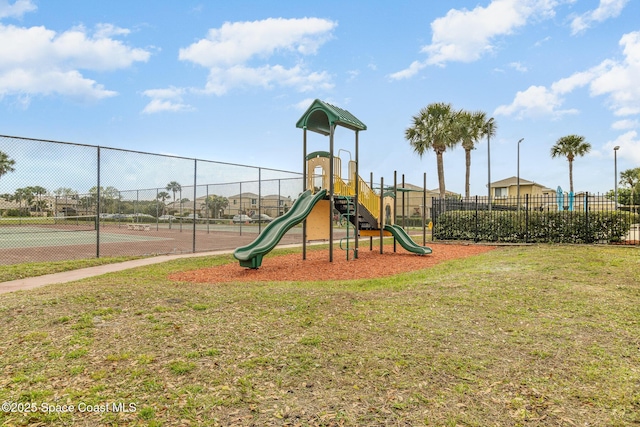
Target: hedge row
[535, 227]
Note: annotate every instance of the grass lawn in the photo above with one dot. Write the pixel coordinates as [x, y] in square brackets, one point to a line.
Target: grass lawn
[520, 336]
[32, 269]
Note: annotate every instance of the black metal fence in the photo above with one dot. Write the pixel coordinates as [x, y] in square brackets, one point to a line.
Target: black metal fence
[122, 202]
[584, 218]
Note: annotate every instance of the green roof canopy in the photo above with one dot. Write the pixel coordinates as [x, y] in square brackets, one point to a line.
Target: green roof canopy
[320, 116]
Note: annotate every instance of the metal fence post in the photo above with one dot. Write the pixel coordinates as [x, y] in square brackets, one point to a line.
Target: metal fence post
[586, 213]
[475, 238]
[195, 195]
[526, 218]
[207, 209]
[98, 209]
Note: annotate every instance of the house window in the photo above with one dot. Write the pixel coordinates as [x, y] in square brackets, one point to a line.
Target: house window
[280, 202]
[500, 192]
[253, 201]
[235, 202]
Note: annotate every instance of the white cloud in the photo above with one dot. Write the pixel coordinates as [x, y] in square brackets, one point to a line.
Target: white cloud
[17, 9]
[625, 124]
[237, 42]
[629, 146]
[535, 101]
[467, 35]
[618, 80]
[169, 99]
[605, 10]
[304, 104]
[160, 105]
[411, 71]
[519, 67]
[543, 41]
[108, 30]
[353, 75]
[220, 80]
[236, 54]
[48, 82]
[38, 61]
[621, 80]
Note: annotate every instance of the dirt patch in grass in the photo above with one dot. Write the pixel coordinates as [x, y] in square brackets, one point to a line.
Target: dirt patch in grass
[369, 264]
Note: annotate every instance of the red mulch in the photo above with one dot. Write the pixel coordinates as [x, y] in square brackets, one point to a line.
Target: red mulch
[370, 264]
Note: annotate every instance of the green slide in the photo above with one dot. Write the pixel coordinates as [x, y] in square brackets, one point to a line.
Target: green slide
[250, 256]
[406, 241]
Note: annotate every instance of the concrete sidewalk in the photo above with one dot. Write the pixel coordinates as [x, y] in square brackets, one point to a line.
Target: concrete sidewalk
[83, 273]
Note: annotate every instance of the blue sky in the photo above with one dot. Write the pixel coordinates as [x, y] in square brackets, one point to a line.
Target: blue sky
[227, 81]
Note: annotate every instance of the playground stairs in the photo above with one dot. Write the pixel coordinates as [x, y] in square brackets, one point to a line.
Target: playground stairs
[365, 220]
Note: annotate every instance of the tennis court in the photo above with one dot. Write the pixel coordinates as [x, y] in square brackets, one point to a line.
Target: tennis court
[52, 239]
[68, 231]
[40, 238]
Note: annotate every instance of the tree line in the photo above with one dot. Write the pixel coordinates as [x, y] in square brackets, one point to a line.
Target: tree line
[439, 127]
[32, 198]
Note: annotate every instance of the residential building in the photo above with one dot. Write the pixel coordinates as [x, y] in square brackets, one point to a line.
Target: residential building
[509, 188]
[414, 200]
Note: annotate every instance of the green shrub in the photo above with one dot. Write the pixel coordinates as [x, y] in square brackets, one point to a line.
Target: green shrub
[12, 213]
[535, 227]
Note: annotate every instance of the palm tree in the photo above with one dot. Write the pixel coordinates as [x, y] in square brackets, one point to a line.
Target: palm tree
[110, 194]
[570, 146]
[434, 128]
[174, 187]
[216, 204]
[6, 164]
[162, 196]
[631, 178]
[37, 191]
[20, 195]
[472, 127]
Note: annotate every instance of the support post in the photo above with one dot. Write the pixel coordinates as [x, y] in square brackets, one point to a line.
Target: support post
[304, 188]
[381, 213]
[424, 209]
[404, 224]
[331, 190]
[371, 186]
[356, 213]
[395, 204]
[259, 200]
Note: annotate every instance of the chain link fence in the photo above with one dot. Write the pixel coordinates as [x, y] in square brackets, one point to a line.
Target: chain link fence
[62, 201]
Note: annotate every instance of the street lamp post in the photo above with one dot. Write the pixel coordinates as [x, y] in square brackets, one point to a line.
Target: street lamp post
[615, 175]
[518, 184]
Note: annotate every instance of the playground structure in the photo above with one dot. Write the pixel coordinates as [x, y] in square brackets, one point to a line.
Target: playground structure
[370, 213]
